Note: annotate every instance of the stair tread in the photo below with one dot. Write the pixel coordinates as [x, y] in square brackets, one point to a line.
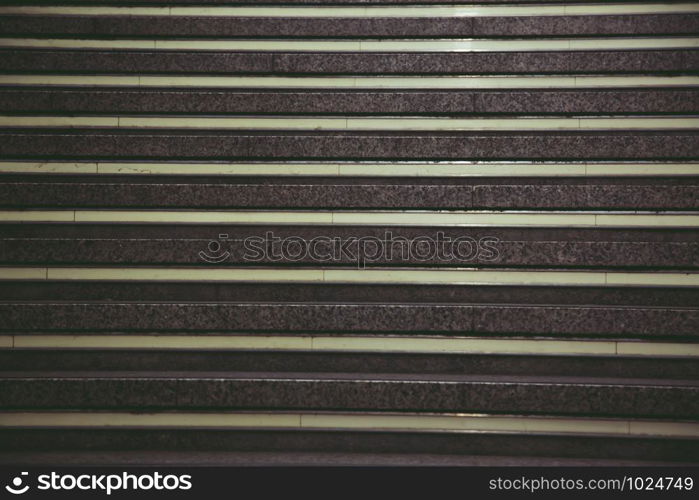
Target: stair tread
[352, 377]
[278, 458]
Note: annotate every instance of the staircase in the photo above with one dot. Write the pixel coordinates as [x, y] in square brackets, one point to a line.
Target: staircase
[313, 232]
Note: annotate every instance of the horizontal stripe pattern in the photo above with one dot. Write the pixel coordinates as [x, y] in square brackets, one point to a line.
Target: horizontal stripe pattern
[133, 137]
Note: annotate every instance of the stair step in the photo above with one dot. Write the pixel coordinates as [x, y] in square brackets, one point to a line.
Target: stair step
[634, 322]
[349, 293]
[172, 360]
[227, 145]
[462, 194]
[386, 102]
[404, 27]
[676, 61]
[305, 459]
[173, 245]
[108, 441]
[387, 392]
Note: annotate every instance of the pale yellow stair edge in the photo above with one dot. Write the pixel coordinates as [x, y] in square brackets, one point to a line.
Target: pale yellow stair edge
[375, 421]
[386, 169]
[455, 82]
[453, 275]
[394, 11]
[363, 45]
[408, 218]
[464, 275]
[367, 343]
[346, 123]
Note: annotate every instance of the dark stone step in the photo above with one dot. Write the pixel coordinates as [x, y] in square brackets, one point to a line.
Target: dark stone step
[652, 194]
[274, 391]
[126, 360]
[350, 102]
[211, 62]
[563, 321]
[184, 231]
[107, 441]
[461, 27]
[304, 459]
[328, 246]
[185, 145]
[81, 291]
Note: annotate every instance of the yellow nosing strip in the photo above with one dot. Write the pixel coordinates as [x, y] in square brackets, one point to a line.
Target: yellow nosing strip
[6, 341]
[26, 273]
[384, 82]
[387, 169]
[422, 276]
[404, 218]
[362, 12]
[353, 343]
[421, 422]
[359, 124]
[334, 45]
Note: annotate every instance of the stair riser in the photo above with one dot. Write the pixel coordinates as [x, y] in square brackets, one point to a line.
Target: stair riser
[349, 442]
[144, 62]
[85, 291]
[479, 251]
[348, 146]
[443, 319]
[590, 399]
[467, 364]
[351, 102]
[465, 27]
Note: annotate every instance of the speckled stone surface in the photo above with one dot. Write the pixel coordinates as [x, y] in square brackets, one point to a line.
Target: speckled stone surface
[585, 25]
[457, 443]
[463, 27]
[144, 62]
[348, 145]
[385, 102]
[634, 322]
[94, 244]
[222, 195]
[80, 291]
[271, 391]
[679, 193]
[488, 62]
[164, 231]
[307, 459]
[123, 360]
